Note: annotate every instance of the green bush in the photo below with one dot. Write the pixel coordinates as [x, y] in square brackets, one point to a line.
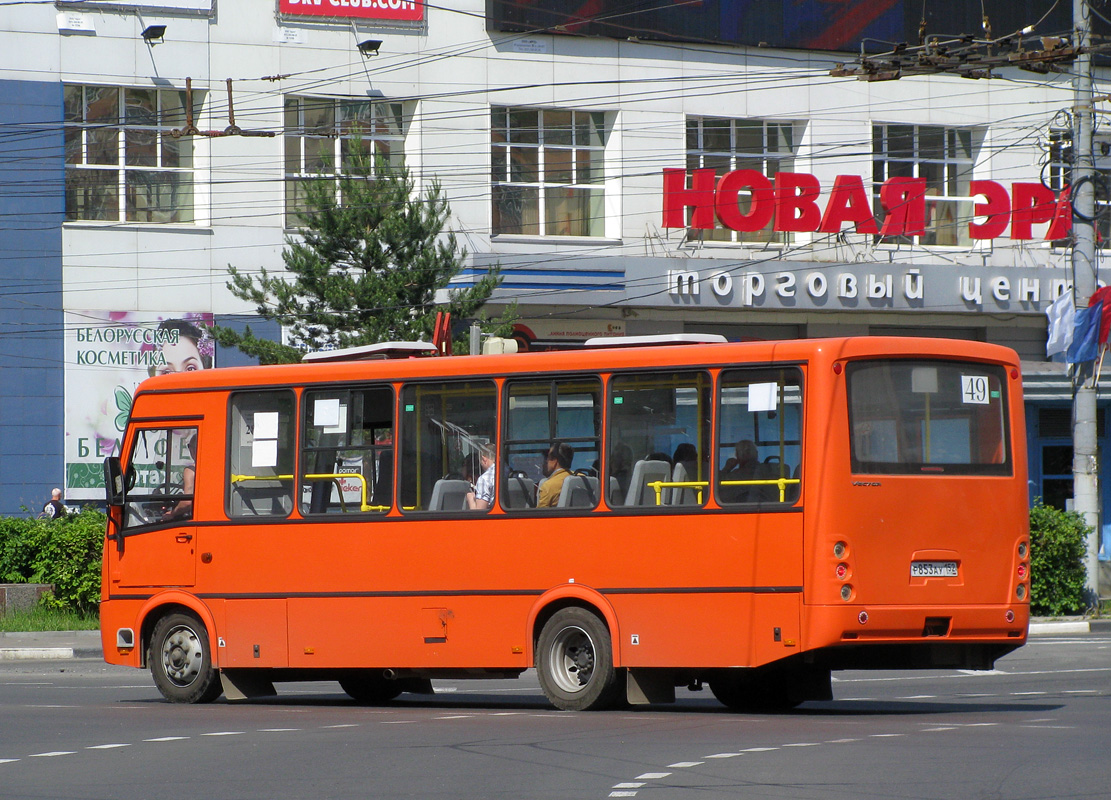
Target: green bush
[65, 552]
[1058, 549]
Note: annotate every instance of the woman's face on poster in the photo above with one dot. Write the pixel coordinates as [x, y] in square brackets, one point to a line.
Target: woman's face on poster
[181, 356]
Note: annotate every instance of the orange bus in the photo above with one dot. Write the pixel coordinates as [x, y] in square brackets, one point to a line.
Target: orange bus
[743, 516]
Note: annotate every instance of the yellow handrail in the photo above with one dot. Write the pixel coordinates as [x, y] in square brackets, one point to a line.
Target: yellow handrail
[659, 486]
[780, 482]
[319, 476]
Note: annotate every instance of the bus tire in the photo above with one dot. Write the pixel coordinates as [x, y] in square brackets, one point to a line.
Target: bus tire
[748, 691]
[370, 688]
[181, 660]
[574, 661]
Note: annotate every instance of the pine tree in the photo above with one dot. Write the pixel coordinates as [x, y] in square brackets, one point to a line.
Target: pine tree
[371, 264]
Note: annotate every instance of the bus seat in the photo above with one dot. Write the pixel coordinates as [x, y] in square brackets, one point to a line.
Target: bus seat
[616, 495]
[645, 472]
[578, 491]
[520, 492]
[383, 482]
[793, 489]
[449, 495]
[682, 497]
[768, 471]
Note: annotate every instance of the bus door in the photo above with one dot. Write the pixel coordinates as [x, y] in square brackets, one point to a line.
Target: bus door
[759, 479]
[157, 541]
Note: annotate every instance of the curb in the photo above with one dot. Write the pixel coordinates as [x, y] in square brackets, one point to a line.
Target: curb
[35, 653]
[1058, 628]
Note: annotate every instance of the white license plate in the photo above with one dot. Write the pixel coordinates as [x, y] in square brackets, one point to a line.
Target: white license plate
[933, 569]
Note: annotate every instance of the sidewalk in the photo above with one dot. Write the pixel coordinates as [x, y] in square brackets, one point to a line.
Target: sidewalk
[86, 644]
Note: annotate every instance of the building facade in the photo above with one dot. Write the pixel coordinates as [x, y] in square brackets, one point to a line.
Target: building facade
[692, 169]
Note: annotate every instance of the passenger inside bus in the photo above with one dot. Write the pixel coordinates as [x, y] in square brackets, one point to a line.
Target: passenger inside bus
[482, 497]
[744, 465]
[557, 467]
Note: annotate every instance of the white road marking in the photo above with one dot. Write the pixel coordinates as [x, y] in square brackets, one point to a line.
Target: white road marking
[106, 746]
[685, 764]
[622, 794]
[723, 755]
[52, 754]
[8, 760]
[456, 716]
[167, 739]
[278, 730]
[224, 733]
[347, 725]
[886, 735]
[652, 776]
[759, 749]
[802, 744]
[628, 785]
[841, 741]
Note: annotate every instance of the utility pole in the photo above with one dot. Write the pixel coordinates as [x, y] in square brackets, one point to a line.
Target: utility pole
[1085, 458]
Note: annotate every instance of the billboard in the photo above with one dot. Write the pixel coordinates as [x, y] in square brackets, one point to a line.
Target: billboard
[107, 355]
[837, 25]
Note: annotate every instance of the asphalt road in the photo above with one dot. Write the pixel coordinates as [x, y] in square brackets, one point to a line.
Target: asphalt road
[1036, 727]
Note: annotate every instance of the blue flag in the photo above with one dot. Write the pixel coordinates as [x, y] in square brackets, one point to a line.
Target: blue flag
[1085, 335]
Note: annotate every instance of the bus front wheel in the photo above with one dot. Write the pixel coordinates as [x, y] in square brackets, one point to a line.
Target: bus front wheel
[574, 661]
[181, 661]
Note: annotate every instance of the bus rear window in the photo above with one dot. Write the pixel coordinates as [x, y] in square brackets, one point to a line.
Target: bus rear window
[928, 417]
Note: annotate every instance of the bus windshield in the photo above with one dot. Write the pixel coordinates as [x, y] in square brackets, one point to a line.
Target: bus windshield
[922, 417]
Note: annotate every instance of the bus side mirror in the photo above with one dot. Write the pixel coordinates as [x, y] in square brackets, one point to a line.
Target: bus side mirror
[113, 481]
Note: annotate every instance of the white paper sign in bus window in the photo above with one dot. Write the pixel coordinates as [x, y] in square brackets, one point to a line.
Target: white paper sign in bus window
[325, 412]
[762, 396]
[974, 389]
[264, 448]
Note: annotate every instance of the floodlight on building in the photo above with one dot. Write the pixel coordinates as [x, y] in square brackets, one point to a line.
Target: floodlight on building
[369, 47]
[152, 34]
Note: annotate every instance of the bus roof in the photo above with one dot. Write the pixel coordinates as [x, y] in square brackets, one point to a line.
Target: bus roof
[599, 359]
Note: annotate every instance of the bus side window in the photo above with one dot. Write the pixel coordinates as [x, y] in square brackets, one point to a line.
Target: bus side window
[659, 434]
[538, 414]
[260, 476]
[444, 429]
[759, 436]
[347, 451]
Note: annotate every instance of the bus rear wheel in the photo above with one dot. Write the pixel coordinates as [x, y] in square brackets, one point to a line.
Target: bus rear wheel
[574, 661]
[181, 660]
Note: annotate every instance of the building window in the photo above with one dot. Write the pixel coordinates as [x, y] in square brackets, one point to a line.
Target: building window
[944, 157]
[123, 163]
[324, 135]
[547, 171]
[725, 145]
[1059, 175]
